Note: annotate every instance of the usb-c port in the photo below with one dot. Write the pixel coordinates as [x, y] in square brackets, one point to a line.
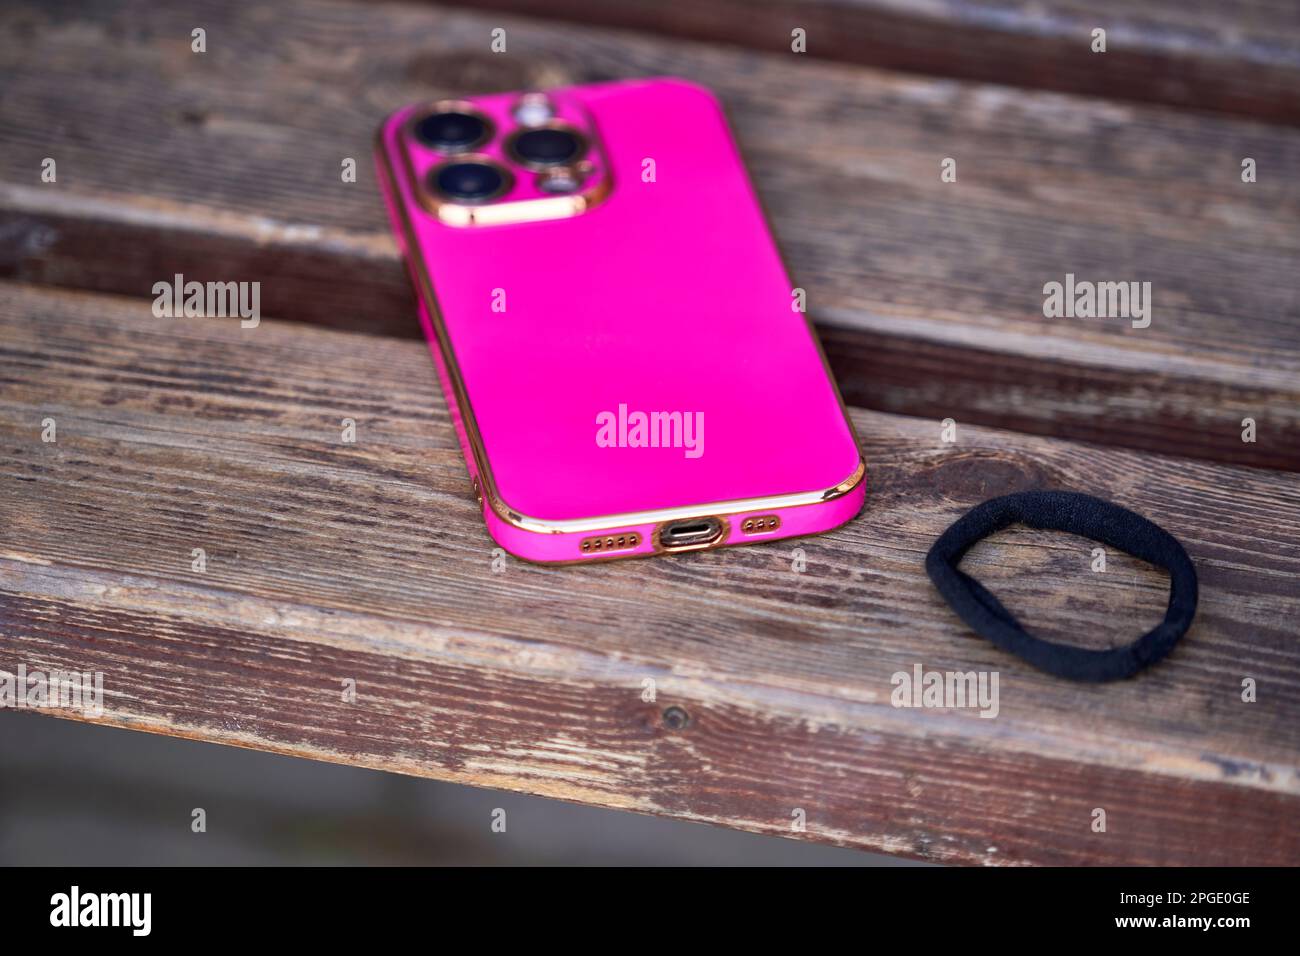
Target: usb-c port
[691, 533]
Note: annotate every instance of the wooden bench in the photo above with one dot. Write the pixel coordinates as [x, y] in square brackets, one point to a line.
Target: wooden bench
[329, 562]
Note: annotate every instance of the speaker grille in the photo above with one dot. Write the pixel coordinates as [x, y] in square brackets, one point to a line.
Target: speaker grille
[760, 524]
[610, 542]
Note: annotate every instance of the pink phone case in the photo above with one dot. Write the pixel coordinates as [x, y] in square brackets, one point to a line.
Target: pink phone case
[656, 290]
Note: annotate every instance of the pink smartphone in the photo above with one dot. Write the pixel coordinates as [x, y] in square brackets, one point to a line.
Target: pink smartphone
[628, 367]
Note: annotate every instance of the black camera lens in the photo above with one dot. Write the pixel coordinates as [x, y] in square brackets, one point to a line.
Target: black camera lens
[548, 147]
[452, 131]
[470, 182]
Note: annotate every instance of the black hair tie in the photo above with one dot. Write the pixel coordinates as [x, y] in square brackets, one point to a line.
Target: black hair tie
[1082, 515]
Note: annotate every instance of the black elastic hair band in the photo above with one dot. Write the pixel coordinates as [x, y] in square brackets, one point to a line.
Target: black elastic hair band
[1082, 515]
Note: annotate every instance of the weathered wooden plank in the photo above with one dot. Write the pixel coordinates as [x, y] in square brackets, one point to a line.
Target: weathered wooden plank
[1241, 57]
[226, 165]
[328, 561]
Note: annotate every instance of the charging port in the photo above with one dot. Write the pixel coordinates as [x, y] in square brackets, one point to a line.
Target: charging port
[691, 533]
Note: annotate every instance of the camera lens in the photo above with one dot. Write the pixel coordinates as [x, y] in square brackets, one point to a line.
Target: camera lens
[548, 147]
[470, 182]
[452, 131]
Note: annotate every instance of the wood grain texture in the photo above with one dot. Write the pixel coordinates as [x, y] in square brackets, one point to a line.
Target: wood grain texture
[928, 295]
[1241, 57]
[328, 561]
